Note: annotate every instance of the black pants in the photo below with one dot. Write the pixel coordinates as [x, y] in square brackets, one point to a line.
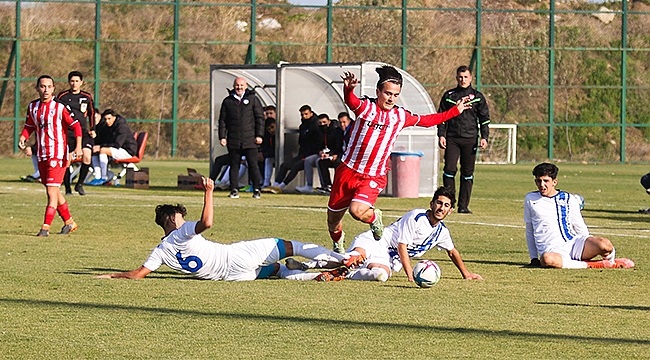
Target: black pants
[292, 167]
[324, 166]
[465, 149]
[219, 163]
[235, 162]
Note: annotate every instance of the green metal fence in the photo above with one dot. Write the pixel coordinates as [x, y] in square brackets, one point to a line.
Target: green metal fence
[578, 82]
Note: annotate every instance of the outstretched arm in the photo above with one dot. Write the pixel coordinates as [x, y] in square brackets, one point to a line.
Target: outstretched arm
[454, 255]
[349, 83]
[438, 118]
[405, 260]
[208, 211]
[138, 273]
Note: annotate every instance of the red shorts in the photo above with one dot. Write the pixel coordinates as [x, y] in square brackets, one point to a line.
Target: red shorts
[350, 186]
[52, 171]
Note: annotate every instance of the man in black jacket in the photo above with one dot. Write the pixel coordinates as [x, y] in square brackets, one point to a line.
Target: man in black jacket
[241, 128]
[117, 141]
[459, 137]
[310, 142]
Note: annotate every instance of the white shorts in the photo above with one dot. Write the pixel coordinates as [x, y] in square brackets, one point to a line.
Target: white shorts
[120, 154]
[247, 258]
[571, 250]
[376, 251]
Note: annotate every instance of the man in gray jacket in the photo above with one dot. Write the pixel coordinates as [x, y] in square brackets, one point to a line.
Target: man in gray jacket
[241, 128]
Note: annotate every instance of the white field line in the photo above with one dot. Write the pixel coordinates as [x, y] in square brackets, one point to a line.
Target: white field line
[192, 198]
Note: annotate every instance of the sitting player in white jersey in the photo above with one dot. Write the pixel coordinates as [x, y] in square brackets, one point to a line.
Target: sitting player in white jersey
[556, 234]
[409, 237]
[185, 250]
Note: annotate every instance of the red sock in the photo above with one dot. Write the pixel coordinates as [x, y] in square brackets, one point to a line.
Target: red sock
[63, 211]
[49, 216]
[336, 235]
[372, 218]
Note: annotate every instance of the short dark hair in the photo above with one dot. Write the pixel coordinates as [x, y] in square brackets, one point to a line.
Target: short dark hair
[75, 73]
[109, 112]
[305, 108]
[388, 73]
[38, 81]
[268, 122]
[342, 114]
[462, 69]
[269, 107]
[446, 192]
[546, 169]
[168, 212]
[323, 116]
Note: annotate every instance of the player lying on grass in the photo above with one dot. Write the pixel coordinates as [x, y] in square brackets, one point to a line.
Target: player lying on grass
[409, 237]
[185, 250]
[556, 234]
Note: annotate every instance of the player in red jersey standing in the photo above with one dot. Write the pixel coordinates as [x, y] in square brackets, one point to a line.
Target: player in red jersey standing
[51, 120]
[362, 174]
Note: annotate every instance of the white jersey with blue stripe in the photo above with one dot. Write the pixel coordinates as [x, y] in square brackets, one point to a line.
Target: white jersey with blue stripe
[184, 250]
[555, 220]
[415, 230]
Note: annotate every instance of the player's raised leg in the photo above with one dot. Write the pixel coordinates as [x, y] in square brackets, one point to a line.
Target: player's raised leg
[366, 213]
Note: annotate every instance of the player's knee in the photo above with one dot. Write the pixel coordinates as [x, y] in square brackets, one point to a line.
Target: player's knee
[380, 274]
[551, 260]
[604, 244]
[361, 212]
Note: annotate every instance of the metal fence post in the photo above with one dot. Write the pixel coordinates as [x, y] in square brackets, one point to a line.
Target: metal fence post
[97, 61]
[177, 16]
[17, 129]
[551, 81]
[623, 80]
[404, 33]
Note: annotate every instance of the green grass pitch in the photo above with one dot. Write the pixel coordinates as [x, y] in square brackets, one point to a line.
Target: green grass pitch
[51, 306]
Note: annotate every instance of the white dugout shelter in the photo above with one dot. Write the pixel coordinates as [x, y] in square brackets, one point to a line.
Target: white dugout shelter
[289, 86]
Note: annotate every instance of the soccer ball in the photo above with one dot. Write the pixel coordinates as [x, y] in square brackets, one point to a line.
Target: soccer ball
[426, 273]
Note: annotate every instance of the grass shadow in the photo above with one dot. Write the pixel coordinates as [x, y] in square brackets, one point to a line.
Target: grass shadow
[160, 274]
[328, 323]
[621, 307]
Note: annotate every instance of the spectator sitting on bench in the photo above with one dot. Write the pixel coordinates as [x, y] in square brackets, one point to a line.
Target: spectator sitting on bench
[117, 142]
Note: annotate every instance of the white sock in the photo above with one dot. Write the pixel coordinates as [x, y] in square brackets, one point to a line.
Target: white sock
[103, 164]
[365, 274]
[285, 273]
[573, 264]
[94, 160]
[37, 173]
[315, 252]
[611, 256]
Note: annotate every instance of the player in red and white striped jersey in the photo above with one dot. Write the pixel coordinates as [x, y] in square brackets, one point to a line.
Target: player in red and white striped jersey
[362, 175]
[51, 120]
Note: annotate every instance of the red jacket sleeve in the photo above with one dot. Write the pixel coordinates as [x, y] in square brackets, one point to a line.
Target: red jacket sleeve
[430, 120]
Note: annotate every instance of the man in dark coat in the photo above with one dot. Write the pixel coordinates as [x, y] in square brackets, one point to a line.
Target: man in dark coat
[241, 128]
